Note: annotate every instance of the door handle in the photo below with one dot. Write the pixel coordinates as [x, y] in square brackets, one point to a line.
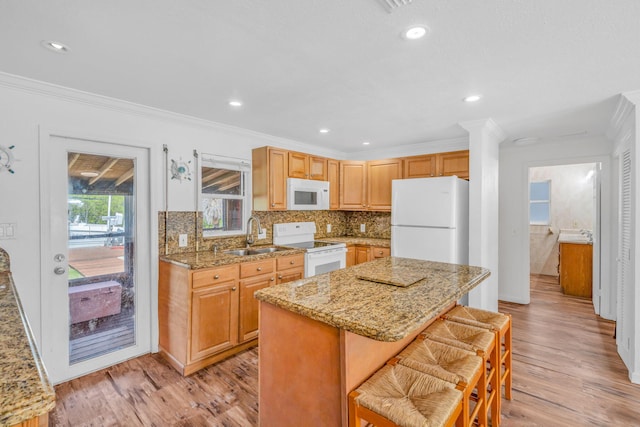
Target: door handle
[59, 270]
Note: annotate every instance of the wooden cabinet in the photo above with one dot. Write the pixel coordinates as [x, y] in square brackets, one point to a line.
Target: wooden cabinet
[198, 315]
[576, 269]
[353, 185]
[269, 177]
[254, 276]
[214, 319]
[306, 166]
[380, 173]
[440, 164]
[454, 163]
[420, 166]
[290, 268]
[333, 176]
[367, 185]
[362, 254]
[351, 255]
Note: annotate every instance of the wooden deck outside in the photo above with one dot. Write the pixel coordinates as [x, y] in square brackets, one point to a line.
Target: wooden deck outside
[97, 260]
[566, 373]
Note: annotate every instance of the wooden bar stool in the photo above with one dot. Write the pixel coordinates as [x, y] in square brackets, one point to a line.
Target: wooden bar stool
[398, 396]
[451, 364]
[495, 321]
[474, 339]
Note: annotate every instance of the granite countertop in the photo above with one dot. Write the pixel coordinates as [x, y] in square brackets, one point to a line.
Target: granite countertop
[208, 259]
[25, 391]
[385, 243]
[375, 310]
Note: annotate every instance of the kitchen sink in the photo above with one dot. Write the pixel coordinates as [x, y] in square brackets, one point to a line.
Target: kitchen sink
[257, 251]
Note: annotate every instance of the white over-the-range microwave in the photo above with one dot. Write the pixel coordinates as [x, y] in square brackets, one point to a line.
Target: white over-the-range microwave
[307, 194]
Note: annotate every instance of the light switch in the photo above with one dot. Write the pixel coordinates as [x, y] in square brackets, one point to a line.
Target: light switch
[328, 228]
[182, 241]
[363, 228]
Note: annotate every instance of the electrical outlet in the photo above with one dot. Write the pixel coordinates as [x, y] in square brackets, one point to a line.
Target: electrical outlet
[328, 228]
[363, 228]
[182, 241]
[262, 233]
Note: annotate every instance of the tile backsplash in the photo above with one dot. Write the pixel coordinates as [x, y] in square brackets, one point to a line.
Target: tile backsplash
[173, 223]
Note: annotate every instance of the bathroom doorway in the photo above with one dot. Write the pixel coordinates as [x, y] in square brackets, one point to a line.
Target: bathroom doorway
[564, 228]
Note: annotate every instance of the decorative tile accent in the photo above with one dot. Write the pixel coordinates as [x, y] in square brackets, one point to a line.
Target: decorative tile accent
[5, 263]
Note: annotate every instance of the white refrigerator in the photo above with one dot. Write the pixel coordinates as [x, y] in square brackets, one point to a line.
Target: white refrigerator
[430, 219]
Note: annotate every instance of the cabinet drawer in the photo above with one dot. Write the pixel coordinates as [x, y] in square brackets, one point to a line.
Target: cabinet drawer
[211, 276]
[287, 262]
[255, 268]
[380, 252]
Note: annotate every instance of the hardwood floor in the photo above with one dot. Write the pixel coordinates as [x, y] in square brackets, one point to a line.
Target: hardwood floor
[566, 373]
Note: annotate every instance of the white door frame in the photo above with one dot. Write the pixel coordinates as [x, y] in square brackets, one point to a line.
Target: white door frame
[605, 239]
[54, 345]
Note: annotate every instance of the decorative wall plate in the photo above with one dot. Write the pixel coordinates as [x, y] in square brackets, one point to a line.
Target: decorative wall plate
[6, 158]
[180, 170]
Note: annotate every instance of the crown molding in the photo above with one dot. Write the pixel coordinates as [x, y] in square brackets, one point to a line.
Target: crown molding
[485, 124]
[426, 147]
[62, 93]
[627, 103]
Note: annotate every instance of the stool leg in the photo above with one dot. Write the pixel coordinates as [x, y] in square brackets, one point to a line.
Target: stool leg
[508, 366]
[354, 419]
[496, 364]
[482, 393]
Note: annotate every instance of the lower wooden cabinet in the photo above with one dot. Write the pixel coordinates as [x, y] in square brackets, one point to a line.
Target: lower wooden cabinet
[209, 314]
[357, 254]
[351, 255]
[362, 254]
[576, 269]
[380, 252]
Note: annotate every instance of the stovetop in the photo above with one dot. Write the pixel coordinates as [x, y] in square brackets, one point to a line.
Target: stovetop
[316, 244]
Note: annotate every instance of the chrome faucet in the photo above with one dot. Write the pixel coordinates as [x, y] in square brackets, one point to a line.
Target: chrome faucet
[250, 239]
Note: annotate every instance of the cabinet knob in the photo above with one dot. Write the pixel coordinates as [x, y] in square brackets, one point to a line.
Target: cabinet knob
[364, 206]
[280, 276]
[259, 268]
[441, 174]
[217, 276]
[273, 205]
[292, 262]
[431, 174]
[380, 252]
[234, 288]
[272, 279]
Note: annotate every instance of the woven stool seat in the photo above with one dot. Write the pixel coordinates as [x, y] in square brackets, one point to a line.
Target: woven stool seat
[407, 398]
[475, 339]
[493, 321]
[452, 364]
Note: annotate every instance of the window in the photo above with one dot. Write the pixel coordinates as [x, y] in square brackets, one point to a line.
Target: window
[223, 195]
[540, 203]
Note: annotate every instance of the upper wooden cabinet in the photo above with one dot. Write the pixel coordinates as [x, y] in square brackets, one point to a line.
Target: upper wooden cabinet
[380, 173]
[306, 166]
[353, 185]
[440, 164]
[453, 163]
[367, 185]
[269, 177]
[333, 176]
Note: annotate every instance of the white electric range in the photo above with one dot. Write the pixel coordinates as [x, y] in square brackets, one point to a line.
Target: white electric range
[320, 257]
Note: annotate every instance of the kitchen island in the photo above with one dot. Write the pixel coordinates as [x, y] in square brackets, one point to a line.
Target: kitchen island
[26, 395]
[322, 336]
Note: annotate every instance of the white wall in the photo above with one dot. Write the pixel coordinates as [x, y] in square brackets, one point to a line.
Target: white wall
[28, 108]
[515, 162]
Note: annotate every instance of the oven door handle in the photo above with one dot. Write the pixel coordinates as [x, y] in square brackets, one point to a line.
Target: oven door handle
[326, 253]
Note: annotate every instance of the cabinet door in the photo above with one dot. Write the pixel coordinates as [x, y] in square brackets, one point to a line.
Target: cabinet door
[214, 319]
[454, 163]
[380, 173]
[353, 185]
[249, 305]
[351, 255]
[362, 254]
[298, 165]
[317, 168]
[419, 166]
[277, 179]
[290, 275]
[333, 176]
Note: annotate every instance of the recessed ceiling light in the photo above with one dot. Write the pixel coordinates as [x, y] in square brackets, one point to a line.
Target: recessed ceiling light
[55, 46]
[90, 174]
[366, 143]
[235, 103]
[416, 32]
[472, 98]
[324, 130]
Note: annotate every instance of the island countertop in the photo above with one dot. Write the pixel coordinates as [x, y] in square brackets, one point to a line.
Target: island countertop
[25, 391]
[375, 310]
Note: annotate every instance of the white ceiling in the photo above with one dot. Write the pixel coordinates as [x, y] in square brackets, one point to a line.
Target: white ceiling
[545, 68]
